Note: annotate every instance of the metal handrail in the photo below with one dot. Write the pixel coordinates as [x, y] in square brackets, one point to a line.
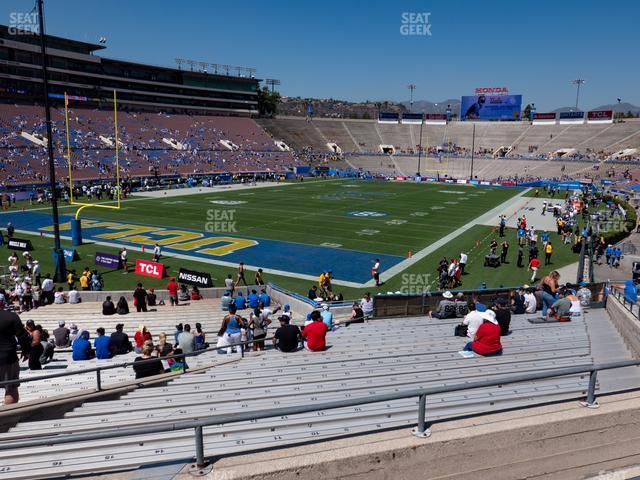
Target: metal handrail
[619, 295]
[99, 369]
[422, 430]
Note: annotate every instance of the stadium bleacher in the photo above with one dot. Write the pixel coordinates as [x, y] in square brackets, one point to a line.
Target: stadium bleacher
[142, 147]
[88, 316]
[363, 359]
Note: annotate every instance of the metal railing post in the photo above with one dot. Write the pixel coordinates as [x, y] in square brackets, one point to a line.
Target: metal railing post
[200, 461]
[98, 380]
[242, 350]
[591, 392]
[184, 364]
[422, 431]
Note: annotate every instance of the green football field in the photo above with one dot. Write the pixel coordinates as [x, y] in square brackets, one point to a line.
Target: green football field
[350, 222]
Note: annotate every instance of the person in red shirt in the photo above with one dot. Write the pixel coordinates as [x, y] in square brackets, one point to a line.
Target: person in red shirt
[142, 335]
[315, 333]
[172, 287]
[534, 264]
[487, 339]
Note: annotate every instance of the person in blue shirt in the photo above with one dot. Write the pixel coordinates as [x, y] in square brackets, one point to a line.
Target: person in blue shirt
[520, 235]
[545, 238]
[609, 254]
[265, 299]
[240, 302]
[82, 347]
[253, 299]
[102, 344]
[226, 300]
[327, 316]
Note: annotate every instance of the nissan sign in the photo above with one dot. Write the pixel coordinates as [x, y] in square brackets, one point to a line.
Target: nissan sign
[191, 277]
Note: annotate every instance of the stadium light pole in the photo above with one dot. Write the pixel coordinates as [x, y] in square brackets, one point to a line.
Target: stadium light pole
[273, 82]
[420, 145]
[473, 147]
[577, 82]
[411, 87]
[58, 255]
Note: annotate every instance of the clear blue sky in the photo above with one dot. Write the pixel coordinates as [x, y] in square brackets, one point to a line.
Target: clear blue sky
[353, 49]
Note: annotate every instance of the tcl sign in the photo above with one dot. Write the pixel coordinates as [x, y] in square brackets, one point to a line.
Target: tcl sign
[492, 91]
[149, 269]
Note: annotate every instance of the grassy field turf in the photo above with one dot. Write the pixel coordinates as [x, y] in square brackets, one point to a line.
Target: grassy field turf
[315, 213]
[318, 212]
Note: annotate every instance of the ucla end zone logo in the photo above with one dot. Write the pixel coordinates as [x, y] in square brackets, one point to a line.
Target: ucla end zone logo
[366, 213]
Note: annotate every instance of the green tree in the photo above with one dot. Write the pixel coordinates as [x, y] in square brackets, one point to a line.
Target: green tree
[268, 102]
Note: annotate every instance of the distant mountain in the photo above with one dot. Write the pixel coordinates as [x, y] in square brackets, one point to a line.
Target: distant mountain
[425, 106]
[622, 107]
[564, 109]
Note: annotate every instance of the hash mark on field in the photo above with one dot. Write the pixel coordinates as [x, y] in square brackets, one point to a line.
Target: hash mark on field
[419, 214]
[367, 231]
[436, 207]
[451, 203]
[395, 222]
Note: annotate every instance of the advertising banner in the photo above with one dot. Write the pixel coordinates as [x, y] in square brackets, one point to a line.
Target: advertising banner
[19, 244]
[108, 260]
[191, 277]
[600, 116]
[70, 254]
[544, 118]
[388, 117]
[571, 117]
[149, 269]
[435, 119]
[415, 118]
[491, 107]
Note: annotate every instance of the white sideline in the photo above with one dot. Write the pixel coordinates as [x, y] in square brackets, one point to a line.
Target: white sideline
[491, 215]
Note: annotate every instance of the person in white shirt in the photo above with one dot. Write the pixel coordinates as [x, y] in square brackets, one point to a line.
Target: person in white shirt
[230, 284]
[74, 296]
[375, 272]
[463, 262]
[367, 305]
[472, 320]
[530, 302]
[123, 260]
[157, 253]
[47, 289]
[59, 297]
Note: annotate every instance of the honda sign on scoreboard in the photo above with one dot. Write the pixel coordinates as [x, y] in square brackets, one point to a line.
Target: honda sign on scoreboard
[149, 269]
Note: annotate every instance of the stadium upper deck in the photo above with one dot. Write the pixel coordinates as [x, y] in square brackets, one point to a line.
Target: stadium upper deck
[74, 68]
